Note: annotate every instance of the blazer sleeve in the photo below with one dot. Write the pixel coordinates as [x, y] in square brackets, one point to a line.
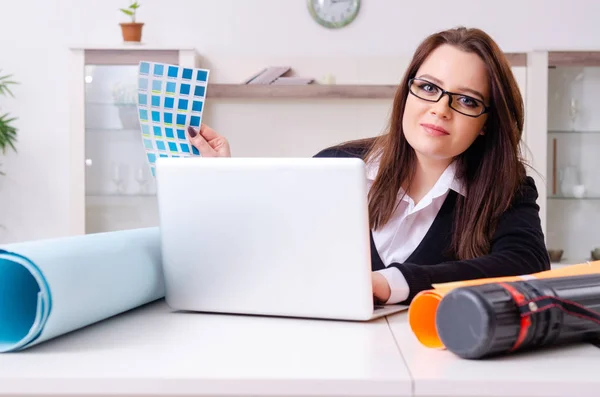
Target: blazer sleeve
[517, 248]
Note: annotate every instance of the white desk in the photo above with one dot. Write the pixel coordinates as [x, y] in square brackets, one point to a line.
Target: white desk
[567, 371]
[153, 351]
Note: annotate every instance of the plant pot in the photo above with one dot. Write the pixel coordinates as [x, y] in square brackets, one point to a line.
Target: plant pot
[128, 115]
[132, 31]
[555, 255]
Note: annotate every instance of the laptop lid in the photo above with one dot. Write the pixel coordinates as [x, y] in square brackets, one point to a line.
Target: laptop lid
[268, 236]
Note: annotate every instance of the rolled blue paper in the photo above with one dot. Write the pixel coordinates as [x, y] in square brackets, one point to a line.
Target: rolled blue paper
[54, 286]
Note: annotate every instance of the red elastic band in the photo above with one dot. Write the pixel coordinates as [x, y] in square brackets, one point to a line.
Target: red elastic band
[525, 320]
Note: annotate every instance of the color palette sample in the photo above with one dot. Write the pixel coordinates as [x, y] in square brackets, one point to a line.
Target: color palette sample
[170, 99]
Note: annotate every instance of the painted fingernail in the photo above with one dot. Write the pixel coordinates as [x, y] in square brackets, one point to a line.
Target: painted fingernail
[192, 131]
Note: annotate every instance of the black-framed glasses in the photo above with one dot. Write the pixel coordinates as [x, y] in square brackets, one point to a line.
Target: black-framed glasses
[461, 103]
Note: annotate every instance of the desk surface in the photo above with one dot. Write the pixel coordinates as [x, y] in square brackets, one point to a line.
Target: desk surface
[153, 350]
[565, 371]
[156, 351]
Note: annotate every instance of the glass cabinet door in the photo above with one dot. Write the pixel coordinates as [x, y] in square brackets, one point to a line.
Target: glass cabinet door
[120, 191]
[573, 171]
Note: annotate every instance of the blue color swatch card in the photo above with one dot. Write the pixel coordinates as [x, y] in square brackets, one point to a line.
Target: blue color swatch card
[170, 99]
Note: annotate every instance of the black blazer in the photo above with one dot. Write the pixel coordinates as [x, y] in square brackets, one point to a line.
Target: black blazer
[517, 246]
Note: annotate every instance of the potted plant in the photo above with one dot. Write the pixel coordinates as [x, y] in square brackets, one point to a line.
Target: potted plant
[132, 31]
[125, 97]
[8, 132]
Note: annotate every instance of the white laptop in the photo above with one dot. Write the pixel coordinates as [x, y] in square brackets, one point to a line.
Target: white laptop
[267, 236]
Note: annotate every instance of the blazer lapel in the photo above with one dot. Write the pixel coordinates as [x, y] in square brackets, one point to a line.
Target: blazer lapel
[433, 247]
[376, 262]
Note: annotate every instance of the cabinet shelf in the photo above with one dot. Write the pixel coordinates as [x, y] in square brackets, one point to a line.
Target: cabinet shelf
[574, 132]
[112, 129]
[305, 91]
[120, 200]
[573, 198]
[100, 196]
[111, 103]
[564, 262]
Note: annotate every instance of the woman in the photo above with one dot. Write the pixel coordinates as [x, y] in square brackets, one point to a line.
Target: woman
[449, 198]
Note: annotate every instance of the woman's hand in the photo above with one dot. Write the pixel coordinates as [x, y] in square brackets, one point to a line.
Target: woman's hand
[381, 288]
[208, 142]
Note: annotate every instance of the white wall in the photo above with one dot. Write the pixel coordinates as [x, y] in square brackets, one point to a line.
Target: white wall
[35, 36]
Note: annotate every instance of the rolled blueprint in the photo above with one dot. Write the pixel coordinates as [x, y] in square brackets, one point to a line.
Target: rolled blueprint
[54, 286]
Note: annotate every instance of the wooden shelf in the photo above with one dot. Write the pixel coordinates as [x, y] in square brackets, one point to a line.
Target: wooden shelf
[307, 91]
[319, 91]
[574, 58]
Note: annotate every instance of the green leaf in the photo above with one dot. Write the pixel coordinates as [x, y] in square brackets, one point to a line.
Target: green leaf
[5, 90]
[8, 133]
[4, 85]
[7, 121]
[135, 6]
[128, 12]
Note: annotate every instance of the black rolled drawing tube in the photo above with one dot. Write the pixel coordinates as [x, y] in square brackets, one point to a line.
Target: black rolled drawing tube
[500, 318]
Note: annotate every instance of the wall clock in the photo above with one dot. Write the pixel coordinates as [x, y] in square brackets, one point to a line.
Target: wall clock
[333, 14]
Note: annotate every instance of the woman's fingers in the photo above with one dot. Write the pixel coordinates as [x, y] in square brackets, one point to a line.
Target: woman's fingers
[208, 133]
[200, 143]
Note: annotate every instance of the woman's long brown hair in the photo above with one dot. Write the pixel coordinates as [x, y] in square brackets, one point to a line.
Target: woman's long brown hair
[491, 168]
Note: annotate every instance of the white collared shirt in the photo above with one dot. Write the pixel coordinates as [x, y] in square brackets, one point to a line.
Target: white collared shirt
[408, 225]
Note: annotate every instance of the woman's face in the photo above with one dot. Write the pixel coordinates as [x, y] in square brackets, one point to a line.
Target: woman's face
[435, 130]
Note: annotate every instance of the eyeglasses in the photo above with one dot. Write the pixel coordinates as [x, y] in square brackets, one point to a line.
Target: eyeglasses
[461, 103]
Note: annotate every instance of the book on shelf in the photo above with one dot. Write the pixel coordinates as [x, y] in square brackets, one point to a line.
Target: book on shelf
[268, 75]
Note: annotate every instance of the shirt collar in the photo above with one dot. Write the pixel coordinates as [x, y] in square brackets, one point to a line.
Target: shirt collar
[448, 179]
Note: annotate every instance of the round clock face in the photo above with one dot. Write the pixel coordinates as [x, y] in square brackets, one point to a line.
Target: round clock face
[333, 13]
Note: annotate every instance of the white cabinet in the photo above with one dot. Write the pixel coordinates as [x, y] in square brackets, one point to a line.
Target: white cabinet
[563, 144]
[573, 155]
[110, 183]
